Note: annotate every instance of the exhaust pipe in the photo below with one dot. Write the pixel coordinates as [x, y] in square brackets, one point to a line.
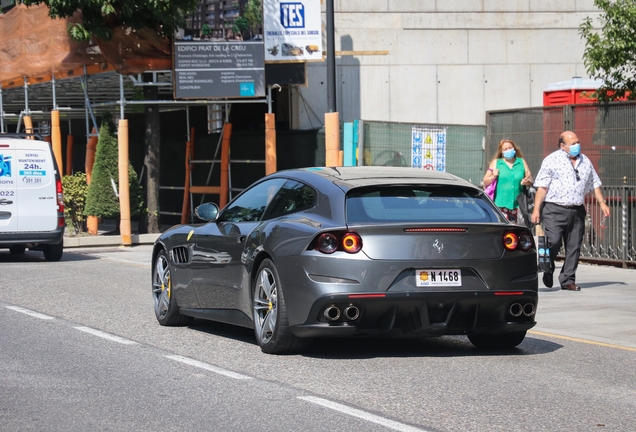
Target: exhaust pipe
[516, 309]
[332, 313]
[529, 309]
[352, 313]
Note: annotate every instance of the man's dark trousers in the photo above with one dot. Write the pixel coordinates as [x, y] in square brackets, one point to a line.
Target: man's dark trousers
[564, 225]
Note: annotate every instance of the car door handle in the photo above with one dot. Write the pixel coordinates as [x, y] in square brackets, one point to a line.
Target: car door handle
[241, 238]
[5, 202]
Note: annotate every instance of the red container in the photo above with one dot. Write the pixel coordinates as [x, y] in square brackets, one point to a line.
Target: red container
[575, 91]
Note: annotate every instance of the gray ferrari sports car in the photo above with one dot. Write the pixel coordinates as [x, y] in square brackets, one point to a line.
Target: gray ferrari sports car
[350, 252]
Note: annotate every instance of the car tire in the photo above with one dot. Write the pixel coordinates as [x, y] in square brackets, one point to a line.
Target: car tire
[166, 308]
[271, 326]
[17, 249]
[53, 252]
[503, 340]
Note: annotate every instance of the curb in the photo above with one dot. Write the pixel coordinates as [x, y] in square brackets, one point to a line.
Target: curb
[108, 240]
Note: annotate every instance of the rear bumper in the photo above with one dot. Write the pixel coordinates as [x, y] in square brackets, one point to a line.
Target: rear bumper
[32, 238]
[417, 314]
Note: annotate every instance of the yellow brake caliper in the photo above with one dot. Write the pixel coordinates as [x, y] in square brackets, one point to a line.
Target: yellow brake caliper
[164, 287]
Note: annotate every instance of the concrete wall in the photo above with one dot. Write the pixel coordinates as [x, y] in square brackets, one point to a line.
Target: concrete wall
[449, 61]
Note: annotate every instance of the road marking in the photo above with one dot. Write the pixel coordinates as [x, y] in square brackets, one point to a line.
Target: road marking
[361, 414]
[105, 335]
[208, 367]
[30, 312]
[586, 341]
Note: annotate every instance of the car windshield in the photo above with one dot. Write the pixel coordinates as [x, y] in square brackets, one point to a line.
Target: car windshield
[414, 203]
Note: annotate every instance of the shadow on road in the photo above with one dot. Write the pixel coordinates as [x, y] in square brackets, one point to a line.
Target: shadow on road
[364, 348]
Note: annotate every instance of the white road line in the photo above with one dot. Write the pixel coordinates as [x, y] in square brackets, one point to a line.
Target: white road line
[104, 335]
[361, 414]
[208, 367]
[30, 312]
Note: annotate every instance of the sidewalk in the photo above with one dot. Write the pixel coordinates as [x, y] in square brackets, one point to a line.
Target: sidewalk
[603, 311]
[106, 236]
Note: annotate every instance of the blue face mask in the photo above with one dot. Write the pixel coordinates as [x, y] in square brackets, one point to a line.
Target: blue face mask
[509, 154]
[575, 149]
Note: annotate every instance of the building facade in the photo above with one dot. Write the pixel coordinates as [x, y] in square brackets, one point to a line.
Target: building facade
[219, 15]
[450, 61]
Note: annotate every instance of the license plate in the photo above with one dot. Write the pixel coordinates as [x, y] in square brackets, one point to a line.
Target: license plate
[448, 277]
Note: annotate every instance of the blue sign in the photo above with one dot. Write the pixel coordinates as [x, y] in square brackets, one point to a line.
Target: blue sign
[5, 166]
[292, 15]
[247, 89]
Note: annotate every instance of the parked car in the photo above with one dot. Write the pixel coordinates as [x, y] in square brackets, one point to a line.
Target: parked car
[31, 199]
[352, 251]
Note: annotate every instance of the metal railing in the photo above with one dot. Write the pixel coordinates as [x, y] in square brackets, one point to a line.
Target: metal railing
[614, 238]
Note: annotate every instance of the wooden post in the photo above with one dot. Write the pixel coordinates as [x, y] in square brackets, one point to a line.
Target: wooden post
[28, 125]
[91, 146]
[92, 222]
[185, 208]
[332, 139]
[225, 165]
[69, 155]
[56, 140]
[124, 191]
[270, 144]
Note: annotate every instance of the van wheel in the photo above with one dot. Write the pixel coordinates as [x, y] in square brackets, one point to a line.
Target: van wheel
[53, 252]
[17, 249]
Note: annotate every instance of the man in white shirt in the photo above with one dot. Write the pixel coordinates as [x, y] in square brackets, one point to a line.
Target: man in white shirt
[564, 179]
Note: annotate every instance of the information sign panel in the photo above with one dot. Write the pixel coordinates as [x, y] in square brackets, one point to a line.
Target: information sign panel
[209, 70]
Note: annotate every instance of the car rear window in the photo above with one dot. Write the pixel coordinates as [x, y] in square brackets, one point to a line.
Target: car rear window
[381, 204]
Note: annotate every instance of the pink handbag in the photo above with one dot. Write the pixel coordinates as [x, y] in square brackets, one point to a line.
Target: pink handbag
[491, 188]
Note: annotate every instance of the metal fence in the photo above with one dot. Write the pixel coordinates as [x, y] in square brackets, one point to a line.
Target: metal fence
[389, 144]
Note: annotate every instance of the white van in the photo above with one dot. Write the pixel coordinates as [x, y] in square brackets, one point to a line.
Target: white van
[31, 199]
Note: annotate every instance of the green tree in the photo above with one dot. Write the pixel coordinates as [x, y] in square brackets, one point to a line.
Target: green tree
[610, 53]
[100, 17]
[101, 200]
[254, 15]
[240, 25]
[75, 189]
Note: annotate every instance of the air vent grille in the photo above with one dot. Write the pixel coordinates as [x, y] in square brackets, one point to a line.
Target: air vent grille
[180, 255]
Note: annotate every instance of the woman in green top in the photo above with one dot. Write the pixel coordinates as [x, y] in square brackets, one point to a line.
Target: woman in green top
[512, 174]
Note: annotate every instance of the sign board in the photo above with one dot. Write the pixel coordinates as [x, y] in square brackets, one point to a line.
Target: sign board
[204, 69]
[292, 30]
[428, 148]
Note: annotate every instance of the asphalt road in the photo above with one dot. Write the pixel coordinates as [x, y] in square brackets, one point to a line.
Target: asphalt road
[80, 349]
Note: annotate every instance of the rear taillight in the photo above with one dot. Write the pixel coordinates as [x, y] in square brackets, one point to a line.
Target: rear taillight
[513, 241]
[60, 202]
[526, 241]
[510, 241]
[352, 243]
[329, 243]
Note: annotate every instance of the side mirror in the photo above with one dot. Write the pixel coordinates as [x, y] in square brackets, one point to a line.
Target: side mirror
[207, 211]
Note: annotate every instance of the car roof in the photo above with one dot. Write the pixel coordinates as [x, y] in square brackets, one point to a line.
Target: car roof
[352, 177]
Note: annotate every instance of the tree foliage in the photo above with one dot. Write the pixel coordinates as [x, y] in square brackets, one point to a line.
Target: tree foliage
[101, 199]
[610, 54]
[254, 15]
[75, 189]
[99, 17]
